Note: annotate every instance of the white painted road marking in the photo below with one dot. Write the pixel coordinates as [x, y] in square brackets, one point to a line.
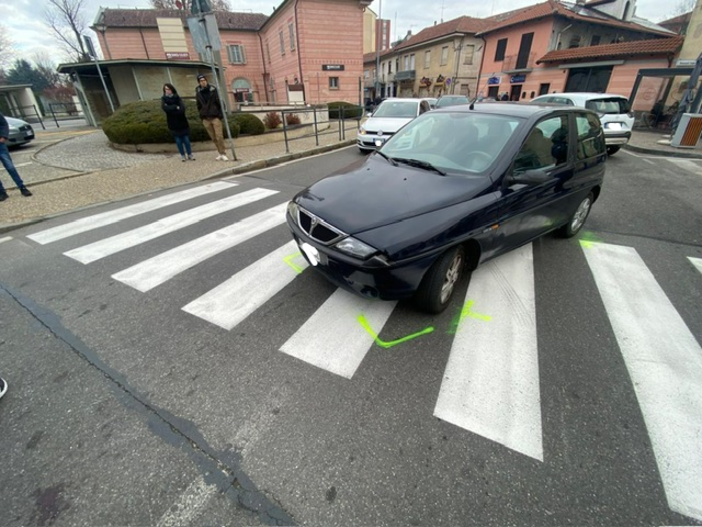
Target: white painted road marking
[491, 382]
[5, 239]
[333, 339]
[114, 244]
[687, 164]
[697, 262]
[232, 301]
[190, 505]
[155, 271]
[113, 216]
[665, 365]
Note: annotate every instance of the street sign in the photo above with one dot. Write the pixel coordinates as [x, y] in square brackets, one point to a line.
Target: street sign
[204, 31]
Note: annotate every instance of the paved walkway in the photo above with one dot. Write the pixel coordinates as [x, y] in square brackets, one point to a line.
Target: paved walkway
[84, 170]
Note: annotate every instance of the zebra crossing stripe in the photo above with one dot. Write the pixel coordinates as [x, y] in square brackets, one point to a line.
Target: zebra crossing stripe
[332, 339]
[697, 262]
[113, 216]
[155, 271]
[119, 242]
[232, 301]
[491, 382]
[687, 164]
[665, 365]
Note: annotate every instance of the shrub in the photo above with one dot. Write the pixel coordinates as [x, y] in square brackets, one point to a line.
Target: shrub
[350, 110]
[292, 118]
[249, 124]
[272, 120]
[144, 122]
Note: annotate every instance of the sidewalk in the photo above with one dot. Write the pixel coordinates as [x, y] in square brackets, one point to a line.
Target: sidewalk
[84, 170]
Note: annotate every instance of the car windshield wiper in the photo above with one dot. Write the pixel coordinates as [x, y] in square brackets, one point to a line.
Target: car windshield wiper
[392, 160]
[420, 164]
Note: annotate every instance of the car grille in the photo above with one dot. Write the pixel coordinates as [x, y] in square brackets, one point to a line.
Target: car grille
[317, 228]
[25, 128]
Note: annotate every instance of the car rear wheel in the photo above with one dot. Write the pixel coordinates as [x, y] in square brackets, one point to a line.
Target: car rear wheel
[439, 283]
[611, 150]
[577, 220]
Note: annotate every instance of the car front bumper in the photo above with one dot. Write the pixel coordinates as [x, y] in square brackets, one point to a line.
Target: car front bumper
[395, 282]
[367, 141]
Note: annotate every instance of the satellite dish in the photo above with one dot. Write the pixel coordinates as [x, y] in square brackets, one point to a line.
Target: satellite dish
[179, 4]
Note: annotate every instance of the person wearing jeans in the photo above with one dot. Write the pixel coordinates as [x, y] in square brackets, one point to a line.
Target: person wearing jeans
[177, 122]
[7, 161]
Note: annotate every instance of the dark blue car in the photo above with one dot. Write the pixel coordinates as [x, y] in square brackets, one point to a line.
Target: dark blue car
[450, 190]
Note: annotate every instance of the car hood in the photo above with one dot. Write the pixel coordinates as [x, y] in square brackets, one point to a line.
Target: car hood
[378, 193]
[387, 125]
[16, 123]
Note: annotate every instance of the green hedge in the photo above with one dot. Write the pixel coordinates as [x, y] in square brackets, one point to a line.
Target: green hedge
[144, 122]
[351, 111]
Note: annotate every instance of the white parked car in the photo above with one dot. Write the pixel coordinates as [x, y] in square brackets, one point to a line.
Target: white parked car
[614, 110]
[388, 118]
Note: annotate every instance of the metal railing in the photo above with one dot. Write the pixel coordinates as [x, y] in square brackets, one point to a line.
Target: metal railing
[30, 114]
[343, 115]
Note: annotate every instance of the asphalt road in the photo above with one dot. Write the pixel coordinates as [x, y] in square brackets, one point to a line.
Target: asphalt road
[148, 385]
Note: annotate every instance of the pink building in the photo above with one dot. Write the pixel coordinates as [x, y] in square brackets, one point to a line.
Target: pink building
[551, 47]
[295, 55]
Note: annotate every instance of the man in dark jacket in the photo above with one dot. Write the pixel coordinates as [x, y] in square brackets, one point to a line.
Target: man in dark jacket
[7, 161]
[211, 113]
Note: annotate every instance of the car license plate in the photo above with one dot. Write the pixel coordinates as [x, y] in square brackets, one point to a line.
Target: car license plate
[311, 252]
[614, 126]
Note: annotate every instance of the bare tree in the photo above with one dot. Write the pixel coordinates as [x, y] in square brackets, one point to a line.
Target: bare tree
[217, 5]
[683, 7]
[7, 48]
[46, 66]
[66, 21]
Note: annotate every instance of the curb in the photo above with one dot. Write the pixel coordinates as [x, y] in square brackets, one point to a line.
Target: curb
[239, 170]
[660, 153]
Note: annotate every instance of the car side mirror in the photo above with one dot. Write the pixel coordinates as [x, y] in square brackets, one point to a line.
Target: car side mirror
[530, 177]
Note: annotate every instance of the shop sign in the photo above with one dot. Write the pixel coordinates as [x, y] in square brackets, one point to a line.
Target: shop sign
[516, 79]
[494, 80]
[179, 55]
[332, 67]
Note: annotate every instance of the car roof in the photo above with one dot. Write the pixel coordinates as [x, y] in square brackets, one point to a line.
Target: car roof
[583, 96]
[403, 99]
[512, 109]
[453, 97]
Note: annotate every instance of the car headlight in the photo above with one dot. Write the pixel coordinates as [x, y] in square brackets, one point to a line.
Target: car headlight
[13, 129]
[361, 130]
[354, 247]
[293, 209]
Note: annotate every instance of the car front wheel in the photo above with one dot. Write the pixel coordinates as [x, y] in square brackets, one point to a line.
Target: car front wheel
[611, 150]
[577, 220]
[439, 284]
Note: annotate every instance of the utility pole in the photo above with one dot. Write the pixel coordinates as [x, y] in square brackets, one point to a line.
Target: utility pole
[377, 49]
[91, 51]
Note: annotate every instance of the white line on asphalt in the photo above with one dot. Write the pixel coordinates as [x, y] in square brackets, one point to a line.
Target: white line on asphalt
[5, 239]
[665, 365]
[113, 216]
[491, 382]
[697, 262]
[157, 270]
[119, 242]
[19, 165]
[333, 339]
[687, 164]
[232, 301]
[189, 505]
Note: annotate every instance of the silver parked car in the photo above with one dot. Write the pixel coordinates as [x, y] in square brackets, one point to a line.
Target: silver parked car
[21, 132]
[388, 118]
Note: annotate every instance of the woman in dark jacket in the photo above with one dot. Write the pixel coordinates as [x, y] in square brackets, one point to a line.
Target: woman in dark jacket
[174, 107]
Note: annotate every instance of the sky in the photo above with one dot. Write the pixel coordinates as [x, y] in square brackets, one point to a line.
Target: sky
[26, 27]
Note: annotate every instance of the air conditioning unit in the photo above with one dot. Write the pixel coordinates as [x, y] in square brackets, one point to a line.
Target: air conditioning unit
[688, 132]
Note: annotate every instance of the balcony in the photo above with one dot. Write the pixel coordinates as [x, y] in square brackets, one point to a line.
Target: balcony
[511, 64]
[406, 75]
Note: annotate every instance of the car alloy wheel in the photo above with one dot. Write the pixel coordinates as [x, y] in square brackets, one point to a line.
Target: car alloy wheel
[439, 283]
[577, 220]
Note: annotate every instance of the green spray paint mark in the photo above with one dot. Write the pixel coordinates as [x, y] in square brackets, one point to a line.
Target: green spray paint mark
[588, 238]
[362, 320]
[466, 312]
[288, 260]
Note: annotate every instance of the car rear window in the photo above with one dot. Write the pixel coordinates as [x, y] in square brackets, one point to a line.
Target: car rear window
[609, 105]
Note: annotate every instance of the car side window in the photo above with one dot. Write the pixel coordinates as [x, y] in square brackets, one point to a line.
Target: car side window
[590, 136]
[423, 107]
[546, 146]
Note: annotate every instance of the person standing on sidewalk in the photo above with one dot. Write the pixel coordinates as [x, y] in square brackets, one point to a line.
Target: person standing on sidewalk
[7, 161]
[173, 105]
[211, 113]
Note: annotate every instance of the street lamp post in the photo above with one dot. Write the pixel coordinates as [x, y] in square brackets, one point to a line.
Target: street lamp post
[377, 50]
[91, 51]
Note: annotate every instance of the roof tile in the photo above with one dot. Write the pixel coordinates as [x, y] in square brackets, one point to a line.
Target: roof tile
[114, 18]
[622, 49]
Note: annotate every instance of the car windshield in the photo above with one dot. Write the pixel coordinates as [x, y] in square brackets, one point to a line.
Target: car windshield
[404, 109]
[611, 105]
[450, 101]
[460, 143]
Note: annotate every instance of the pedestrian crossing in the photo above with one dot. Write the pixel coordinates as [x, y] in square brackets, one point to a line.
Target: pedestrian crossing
[491, 384]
